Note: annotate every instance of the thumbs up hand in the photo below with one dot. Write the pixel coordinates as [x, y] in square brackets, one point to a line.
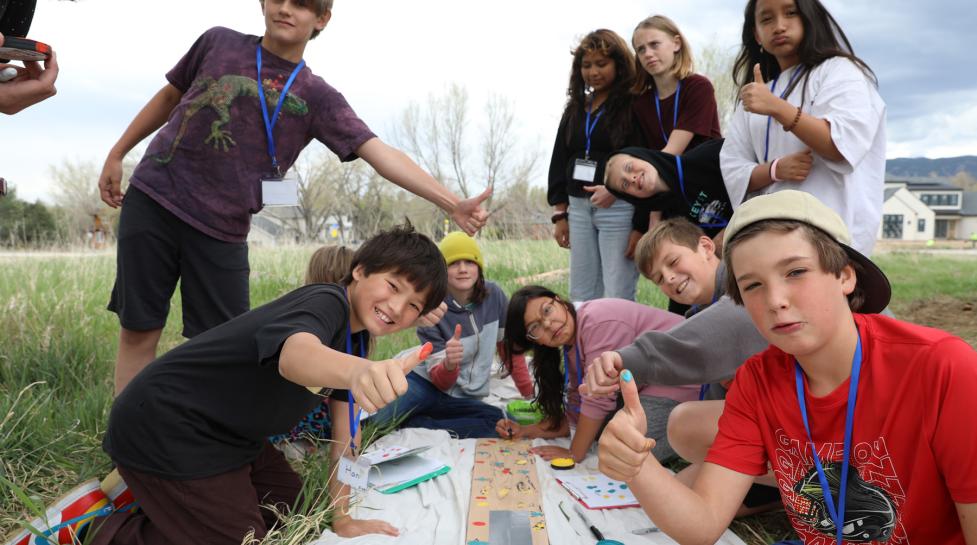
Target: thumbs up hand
[378, 384]
[757, 74]
[623, 448]
[756, 96]
[469, 214]
[453, 350]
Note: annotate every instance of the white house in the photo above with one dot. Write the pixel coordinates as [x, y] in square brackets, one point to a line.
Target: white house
[905, 217]
[284, 225]
[968, 215]
[927, 208]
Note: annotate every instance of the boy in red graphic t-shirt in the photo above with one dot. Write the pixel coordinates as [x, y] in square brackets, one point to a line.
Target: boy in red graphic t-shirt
[863, 419]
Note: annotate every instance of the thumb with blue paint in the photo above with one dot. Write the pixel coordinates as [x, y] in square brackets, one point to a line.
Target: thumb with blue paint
[623, 449]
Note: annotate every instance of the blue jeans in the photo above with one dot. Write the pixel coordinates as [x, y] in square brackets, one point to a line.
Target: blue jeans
[598, 240]
[433, 409]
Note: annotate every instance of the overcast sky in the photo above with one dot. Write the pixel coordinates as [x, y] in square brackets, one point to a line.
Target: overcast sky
[381, 54]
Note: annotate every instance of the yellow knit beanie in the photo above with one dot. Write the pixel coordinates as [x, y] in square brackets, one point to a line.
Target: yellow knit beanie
[458, 245]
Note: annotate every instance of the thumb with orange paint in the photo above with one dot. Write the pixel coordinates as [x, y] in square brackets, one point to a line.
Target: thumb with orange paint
[413, 360]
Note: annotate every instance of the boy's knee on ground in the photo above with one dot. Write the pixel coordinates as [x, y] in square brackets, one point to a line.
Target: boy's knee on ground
[691, 431]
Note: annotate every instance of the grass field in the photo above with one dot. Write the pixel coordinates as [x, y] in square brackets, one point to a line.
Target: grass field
[58, 343]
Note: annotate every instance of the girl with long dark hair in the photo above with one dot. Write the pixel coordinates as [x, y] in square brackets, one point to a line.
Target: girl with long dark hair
[597, 120]
[809, 116]
[563, 338]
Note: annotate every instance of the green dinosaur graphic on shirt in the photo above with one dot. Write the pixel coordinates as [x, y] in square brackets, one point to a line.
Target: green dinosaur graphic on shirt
[218, 96]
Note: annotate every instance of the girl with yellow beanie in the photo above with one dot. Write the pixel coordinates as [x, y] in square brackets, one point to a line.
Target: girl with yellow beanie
[446, 391]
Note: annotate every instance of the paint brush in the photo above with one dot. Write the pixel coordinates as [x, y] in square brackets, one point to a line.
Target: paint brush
[508, 427]
[588, 524]
[568, 518]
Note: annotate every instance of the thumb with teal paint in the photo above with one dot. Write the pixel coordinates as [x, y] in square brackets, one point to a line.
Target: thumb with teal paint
[623, 448]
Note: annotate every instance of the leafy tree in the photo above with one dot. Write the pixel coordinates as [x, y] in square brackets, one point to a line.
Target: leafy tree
[24, 224]
[76, 196]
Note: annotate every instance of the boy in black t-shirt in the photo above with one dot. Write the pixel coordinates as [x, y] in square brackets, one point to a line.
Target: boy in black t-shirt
[188, 433]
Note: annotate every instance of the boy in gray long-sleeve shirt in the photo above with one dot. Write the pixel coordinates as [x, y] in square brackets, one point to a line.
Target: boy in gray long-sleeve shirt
[707, 348]
[718, 335]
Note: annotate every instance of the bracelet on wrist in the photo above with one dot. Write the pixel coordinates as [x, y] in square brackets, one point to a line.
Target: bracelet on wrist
[773, 171]
[797, 117]
[559, 216]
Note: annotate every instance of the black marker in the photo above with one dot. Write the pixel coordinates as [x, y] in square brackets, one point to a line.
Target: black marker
[586, 521]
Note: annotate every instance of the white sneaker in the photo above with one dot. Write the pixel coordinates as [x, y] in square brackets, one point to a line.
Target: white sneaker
[67, 517]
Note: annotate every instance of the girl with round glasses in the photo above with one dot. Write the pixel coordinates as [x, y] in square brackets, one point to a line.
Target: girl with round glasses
[563, 338]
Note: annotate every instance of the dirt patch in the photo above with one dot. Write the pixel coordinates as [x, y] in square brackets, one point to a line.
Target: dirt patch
[955, 315]
[541, 277]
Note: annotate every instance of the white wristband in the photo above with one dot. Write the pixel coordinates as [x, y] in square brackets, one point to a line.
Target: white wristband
[773, 170]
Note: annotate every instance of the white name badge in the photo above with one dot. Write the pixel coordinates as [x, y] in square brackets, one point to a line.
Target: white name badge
[584, 170]
[355, 473]
[280, 191]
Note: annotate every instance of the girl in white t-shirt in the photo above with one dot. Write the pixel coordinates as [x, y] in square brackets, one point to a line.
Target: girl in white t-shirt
[809, 116]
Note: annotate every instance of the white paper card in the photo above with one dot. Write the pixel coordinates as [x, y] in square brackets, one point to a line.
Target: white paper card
[391, 453]
[355, 473]
[397, 472]
[584, 170]
[281, 192]
[598, 491]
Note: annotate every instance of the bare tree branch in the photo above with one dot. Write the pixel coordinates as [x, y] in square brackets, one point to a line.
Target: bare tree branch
[716, 63]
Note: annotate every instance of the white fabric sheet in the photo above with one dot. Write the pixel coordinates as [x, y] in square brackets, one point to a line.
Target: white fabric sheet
[435, 512]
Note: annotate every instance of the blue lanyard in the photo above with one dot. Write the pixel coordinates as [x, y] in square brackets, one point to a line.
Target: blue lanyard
[718, 222]
[566, 373]
[354, 420]
[773, 85]
[588, 129]
[658, 109]
[837, 514]
[270, 124]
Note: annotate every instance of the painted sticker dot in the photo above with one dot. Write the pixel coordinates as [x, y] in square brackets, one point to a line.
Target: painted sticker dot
[478, 523]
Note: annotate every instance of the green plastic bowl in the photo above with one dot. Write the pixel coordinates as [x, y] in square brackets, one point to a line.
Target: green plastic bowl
[524, 412]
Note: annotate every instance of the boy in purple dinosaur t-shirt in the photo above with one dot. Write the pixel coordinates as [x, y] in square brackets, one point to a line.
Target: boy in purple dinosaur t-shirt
[224, 135]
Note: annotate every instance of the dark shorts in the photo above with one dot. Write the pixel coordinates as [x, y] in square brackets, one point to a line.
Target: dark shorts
[156, 249]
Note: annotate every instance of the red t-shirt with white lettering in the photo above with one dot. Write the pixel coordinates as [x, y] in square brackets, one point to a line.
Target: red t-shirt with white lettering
[913, 441]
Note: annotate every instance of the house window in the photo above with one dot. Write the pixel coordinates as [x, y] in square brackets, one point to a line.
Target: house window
[921, 225]
[892, 226]
[940, 199]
